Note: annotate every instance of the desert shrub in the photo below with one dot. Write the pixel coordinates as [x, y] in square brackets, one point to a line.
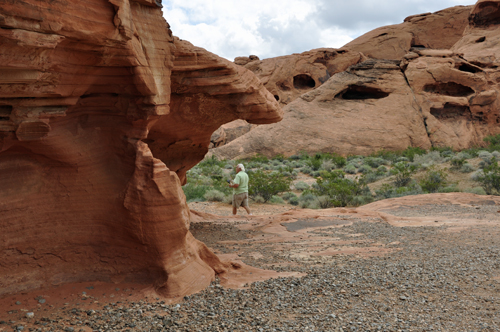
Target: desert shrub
[496, 154]
[433, 180]
[279, 157]
[463, 155]
[490, 180]
[350, 169]
[306, 170]
[449, 189]
[231, 166]
[476, 190]
[403, 173]
[294, 201]
[259, 158]
[457, 162]
[381, 170]
[402, 159]
[467, 168]
[338, 188]
[276, 162]
[362, 200]
[364, 169]
[195, 192]
[485, 156]
[214, 195]
[476, 175]
[429, 159]
[327, 165]
[371, 177]
[357, 161]
[301, 185]
[289, 195]
[411, 152]
[315, 174]
[493, 142]
[388, 191]
[276, 200]
[324, 202]
[374, 162]
[389, 156]
[268, 184]
[258, 199]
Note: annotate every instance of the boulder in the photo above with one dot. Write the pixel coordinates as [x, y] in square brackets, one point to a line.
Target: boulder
[102, 111]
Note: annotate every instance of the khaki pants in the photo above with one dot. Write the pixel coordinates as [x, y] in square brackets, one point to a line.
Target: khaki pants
[240, 200]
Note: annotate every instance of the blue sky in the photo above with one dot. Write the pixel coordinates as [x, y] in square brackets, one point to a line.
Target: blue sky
[270, 28]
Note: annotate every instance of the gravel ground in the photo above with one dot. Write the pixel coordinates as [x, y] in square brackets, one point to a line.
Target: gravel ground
[436, 279]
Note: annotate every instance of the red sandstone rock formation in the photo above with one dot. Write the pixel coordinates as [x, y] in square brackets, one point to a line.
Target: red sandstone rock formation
[102, 112]
[417, 89]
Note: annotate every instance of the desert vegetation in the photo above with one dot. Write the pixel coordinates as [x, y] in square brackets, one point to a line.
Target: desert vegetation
[327, 180]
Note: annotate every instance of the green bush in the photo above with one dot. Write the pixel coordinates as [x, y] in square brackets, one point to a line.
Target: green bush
[457, 162]
[411, 152]
[258, 199]
[350, 169]
[214, 195]
[490, 179]
[195, 192]
[381, 170]
[433, 181]
[365, 169]
[476, 190]
[375, 162]
[301, 185]
[493, 142]
[276, 200]
[467, 168]
[294, 201]
[289, 195]
[388, 191]
[403, 173]
[267, 185]
[338, 188]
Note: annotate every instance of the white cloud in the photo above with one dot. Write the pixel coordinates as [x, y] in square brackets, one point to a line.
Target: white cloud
[279, 27]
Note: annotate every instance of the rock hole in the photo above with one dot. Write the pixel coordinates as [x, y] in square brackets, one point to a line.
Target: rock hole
[359, 92]
[5, 112]
[277, 97]
[449, 89]
[303, 81]
[480, 40]
[450, 111]
[469, 68]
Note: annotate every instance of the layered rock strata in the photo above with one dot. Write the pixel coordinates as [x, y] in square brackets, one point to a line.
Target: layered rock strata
[430, 81]
[102, 111]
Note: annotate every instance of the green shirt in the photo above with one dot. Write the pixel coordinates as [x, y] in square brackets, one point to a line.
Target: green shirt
[242, 180]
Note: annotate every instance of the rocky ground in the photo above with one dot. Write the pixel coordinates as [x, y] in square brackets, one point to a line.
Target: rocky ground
[427, 263]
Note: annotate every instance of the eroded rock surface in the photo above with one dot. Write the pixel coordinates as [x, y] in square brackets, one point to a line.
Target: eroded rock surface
[102, 111]
[430, 81]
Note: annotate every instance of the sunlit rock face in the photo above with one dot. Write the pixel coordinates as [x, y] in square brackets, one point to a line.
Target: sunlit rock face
[102, 111]
[430, 81]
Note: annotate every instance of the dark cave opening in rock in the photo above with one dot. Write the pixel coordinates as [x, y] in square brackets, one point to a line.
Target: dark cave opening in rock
[469, 68]
[450, 111]
[303, 81]
[449, 89]
[277, 97]
[480, 40]
[360, 92]
[5, 112]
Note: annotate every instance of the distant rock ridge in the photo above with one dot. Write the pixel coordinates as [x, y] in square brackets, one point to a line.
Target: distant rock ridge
[432, 80]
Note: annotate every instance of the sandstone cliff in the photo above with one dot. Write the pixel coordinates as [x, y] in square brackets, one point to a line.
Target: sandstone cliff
[430, 81]
[102, 111]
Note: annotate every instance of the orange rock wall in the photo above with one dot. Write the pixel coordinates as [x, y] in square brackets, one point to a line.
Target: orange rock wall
[94, 146]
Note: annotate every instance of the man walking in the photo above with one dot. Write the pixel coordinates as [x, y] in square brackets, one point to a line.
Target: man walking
[240, 189]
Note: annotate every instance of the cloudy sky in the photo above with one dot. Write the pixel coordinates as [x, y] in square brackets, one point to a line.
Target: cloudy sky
[269, 28]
